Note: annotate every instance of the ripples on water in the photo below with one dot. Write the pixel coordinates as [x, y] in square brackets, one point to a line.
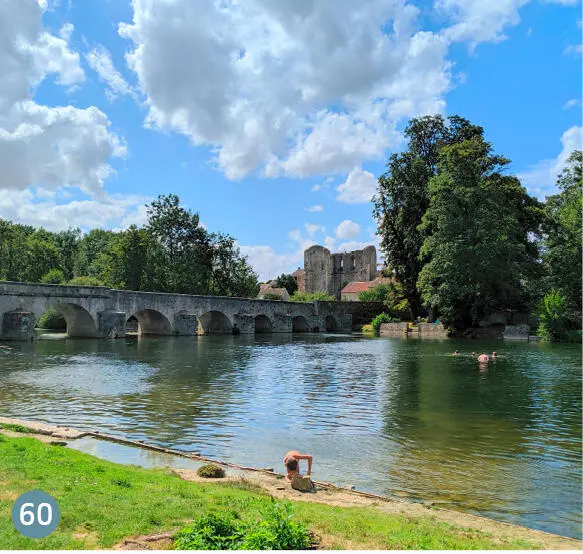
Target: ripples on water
[389, 416]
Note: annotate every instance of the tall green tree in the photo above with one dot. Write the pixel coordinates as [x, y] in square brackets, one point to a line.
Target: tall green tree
[287, 282]
[482, 248]
[91, 259]
[562, 247]
[402, 197]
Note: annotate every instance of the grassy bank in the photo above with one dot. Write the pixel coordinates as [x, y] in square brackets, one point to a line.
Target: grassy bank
[103, 503]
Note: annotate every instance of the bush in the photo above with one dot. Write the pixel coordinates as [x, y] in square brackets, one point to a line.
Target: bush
[274, 531]
[555, 322]
[86, 281]
[53, 277]
[210, 471]
[271, 296]
[311, 296]
[382, 318]
[391, 295]
[53, 320]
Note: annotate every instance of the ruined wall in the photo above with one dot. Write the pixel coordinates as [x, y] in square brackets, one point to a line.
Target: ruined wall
[331, 272]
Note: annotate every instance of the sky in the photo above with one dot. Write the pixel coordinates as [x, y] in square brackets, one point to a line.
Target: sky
[270, 118]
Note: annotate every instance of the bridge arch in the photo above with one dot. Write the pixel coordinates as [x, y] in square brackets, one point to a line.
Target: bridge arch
[332, 324]
[152, 322]
[300, 324]
[213, 322]
[80, 322]
[263, 324]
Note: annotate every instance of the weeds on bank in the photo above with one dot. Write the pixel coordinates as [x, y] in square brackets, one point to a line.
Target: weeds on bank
[15, 427]
[274, 531]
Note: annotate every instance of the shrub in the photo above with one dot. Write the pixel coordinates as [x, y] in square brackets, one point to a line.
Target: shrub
[274, 531]
[210, 471]
[391, 295]
[83, 280]
[271, 296]
[53, 320]
[555, 320]
[311, 296]
[382, 318]
[53, 277]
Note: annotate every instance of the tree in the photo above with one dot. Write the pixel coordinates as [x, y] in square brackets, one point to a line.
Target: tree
[482, 248]
[391, 295]
[91, 259]
[555, 319]
[41, 255]
[403, 198]
[186, 246]
[312, 296]
[53, 277]
[66, 243]
[287, 282]
[562, 247]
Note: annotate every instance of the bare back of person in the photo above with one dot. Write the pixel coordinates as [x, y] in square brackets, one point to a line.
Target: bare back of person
[292, 463]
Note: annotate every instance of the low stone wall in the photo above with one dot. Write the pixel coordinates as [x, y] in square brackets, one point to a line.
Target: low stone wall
[516, 332]
[393, 329]
[432, 330]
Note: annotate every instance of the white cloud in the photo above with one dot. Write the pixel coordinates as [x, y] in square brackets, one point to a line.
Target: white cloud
[574, 49]
[41, 210]
[257, 80]
[359, 187]
[478, 21]
[99, 59]
[41, 145]
[316, 208]
[312, 228]
[571, 103]
[324, 185]
[540, 180]
[347, 229]
[66, 31]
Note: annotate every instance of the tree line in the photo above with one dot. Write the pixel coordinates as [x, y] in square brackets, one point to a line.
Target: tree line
[464, 239]
[173, 252]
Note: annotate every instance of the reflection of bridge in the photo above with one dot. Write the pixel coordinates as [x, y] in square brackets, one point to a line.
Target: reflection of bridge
[103, 312]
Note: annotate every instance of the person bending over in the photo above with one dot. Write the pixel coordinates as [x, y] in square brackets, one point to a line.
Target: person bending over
[292, 463]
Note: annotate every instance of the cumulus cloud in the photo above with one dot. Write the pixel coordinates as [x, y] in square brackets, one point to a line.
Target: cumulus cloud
[99, 59]
[312, 228]
[316, 208]
[42, 210]
[540, 180]
[477, 21]
[359, 187]
[41, 145]
[347, 229]
[257, 80]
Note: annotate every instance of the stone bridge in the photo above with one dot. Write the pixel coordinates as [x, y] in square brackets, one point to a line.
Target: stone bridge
[103, 312]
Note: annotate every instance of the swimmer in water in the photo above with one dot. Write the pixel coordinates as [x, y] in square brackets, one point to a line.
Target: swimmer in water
[456, 353]
[473, 354]
[483, 358]
[493, 354]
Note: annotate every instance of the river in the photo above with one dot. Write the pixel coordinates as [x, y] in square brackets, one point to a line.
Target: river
[389, 416]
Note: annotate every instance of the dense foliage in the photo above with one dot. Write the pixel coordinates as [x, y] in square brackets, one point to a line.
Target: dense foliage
[312, 296]
[274, 531]
[287, 282]
[380, 319]
[465, 239]
[52, 319]
[211, 471]
[171, 253]
[391, 295]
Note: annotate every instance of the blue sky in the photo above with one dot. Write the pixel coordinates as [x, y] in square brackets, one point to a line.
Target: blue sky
[272, 119]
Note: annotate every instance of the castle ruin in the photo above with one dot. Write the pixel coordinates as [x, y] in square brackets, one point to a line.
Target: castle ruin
[328, 272]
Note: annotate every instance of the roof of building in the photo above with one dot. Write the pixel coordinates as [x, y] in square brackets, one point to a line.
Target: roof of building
[357, 286]
[298, 271]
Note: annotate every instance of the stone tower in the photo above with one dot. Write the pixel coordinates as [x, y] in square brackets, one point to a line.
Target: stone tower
[331, 272]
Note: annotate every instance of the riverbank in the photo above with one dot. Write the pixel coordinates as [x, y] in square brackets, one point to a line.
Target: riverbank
[107, 505]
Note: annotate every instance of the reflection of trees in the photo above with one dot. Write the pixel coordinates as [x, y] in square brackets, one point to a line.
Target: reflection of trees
[198, 385]
[462, 434]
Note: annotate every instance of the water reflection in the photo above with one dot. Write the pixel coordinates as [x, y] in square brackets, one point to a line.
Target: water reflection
[389, 416]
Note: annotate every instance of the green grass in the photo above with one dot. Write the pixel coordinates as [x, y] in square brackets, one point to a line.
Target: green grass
[15, 427]
[102, 503]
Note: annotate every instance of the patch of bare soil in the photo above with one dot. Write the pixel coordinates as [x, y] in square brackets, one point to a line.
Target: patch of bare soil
[160, 541]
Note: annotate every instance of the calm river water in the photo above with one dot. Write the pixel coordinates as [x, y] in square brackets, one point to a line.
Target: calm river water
[386, 415]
